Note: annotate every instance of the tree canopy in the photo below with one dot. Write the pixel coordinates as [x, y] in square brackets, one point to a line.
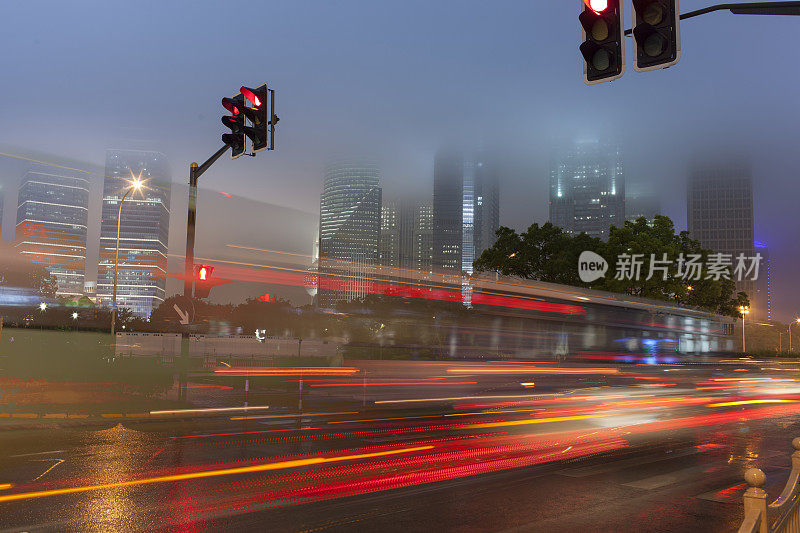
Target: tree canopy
[548, 253]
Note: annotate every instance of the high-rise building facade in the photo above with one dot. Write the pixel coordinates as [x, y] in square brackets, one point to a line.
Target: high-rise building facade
[587, 189]
[349, 231]
[762, 301]
[143, 231]
[52, 214]
[719, 207]
[466, 209]
[406, 235]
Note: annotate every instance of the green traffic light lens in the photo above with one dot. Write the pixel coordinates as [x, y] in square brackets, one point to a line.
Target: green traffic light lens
[601, 60]
[653, 13]
[600, 31]
[654, 45]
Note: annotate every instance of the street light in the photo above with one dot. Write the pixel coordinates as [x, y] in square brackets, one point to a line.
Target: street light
[790, 332]
[136, 184]
[42, 306]
[744, 310]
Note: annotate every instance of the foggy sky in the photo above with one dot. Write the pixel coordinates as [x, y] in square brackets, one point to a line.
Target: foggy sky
[396, 80]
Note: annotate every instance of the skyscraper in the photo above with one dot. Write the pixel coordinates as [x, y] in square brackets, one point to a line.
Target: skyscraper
[144, 230]
[719, 207]
[587, 189]
[466, 209]
[406, 235]
[762, 300]
[52, 213]
[349, 231]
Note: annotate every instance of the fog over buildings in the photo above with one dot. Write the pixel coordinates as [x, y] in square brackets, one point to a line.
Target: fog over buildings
[518, 88]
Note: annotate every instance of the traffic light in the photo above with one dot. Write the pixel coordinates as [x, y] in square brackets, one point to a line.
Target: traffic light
[656, 34]
[603, 48]
[234, 139]
[202, 281]
[262, 129]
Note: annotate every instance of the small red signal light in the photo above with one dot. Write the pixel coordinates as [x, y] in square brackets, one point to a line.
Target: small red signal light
[204, 272]
[597, 6]
[265, 297]
[230, 105]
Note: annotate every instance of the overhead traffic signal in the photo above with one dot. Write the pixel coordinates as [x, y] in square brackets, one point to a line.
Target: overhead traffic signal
[603, 48]
[234, 139]
[656, 34]
[261, 115]
[202, 281]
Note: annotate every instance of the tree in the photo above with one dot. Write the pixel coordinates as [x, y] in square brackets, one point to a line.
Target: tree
[544, 253]
[547, 253]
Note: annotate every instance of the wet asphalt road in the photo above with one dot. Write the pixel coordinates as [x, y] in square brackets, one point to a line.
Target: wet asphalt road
[616, 456]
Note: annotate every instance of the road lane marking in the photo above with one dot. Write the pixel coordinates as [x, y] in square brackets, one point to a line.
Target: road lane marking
[37, 453]
[209, 473]
[662, 480]
[59, 461]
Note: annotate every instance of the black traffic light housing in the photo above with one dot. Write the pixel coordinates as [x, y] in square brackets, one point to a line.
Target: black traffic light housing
[656, 34]
[261, 115]
[235, 121]
[202, 280]
[603, 48]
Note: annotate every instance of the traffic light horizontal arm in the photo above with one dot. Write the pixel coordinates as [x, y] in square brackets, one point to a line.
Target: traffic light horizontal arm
[197, 172]
[746, 8]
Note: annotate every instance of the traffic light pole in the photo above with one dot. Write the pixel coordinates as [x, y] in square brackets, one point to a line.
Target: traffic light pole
[746, 8]
[195, 172]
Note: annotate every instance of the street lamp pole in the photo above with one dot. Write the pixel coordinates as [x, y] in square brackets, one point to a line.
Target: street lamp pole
[136, 185]
[743, 310]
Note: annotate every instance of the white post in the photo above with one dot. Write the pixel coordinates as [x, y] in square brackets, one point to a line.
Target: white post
[755, 498]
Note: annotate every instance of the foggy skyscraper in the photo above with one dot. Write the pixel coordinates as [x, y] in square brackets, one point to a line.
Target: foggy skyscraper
[406, 235]
[587, 189]
[349, 231]
[52, 213]
[719, 209]
[466, 209]
[144, 231]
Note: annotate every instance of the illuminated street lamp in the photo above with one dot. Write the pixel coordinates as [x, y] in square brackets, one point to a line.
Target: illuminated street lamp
[75, 315]
[136, 184]
[744, 310]
[42, 306]
[790, 332]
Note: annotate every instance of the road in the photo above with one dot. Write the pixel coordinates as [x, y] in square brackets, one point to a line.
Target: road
[413, 446]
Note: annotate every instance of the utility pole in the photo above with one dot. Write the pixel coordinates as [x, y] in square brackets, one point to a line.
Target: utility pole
[195, 172]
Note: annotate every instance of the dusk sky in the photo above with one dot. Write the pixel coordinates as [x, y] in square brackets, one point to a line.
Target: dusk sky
[395, 81]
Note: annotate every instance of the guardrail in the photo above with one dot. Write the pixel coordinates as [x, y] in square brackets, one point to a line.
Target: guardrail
[780, 516]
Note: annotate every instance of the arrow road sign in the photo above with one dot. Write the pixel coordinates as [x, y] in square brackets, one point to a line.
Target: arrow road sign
[184, 316]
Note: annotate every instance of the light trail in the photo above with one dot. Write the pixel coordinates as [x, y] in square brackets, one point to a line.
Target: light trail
[531, 421]
[530, 370]
[395, 384]
[209, 473]
[210, 410]
[749, 402]
[4, 486]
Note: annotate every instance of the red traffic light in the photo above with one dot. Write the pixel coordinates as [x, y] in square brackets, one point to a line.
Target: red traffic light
[598, 6]
[231, 106]
[257, 96]
[204, 272]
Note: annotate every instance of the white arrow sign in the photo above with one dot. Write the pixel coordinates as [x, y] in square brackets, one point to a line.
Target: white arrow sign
[183, 316]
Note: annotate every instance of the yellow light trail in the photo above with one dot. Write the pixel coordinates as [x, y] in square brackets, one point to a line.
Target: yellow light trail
[209, 473]
[748, 402]
[531, 421]
[4, 486]
[209, 410]
[532, 396]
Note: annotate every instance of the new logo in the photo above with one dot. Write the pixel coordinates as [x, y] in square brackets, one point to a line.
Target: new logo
[591, 266]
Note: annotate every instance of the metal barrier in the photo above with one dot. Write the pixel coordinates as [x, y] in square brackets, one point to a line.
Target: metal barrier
[783, 513]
